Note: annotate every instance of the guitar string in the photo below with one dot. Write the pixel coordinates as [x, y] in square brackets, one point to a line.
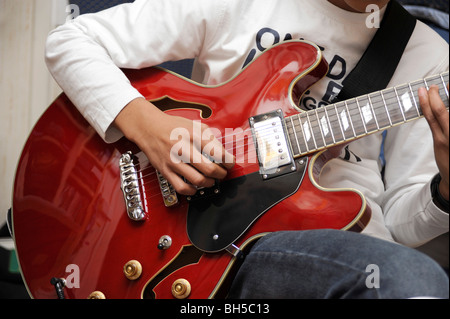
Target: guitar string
[379, 105]
[154, 188]
[253, 159]
[150, 177]
[373, 106]
[334, 122]
[314, 123]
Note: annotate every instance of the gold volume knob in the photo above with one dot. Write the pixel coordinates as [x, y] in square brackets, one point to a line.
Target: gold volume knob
[181, 289]
[132, 269]
[97, 295]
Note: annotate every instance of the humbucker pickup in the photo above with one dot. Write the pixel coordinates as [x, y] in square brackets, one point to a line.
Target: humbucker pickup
[273, 148]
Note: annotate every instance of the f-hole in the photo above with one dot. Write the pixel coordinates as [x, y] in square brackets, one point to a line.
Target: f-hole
[167, 104]
[188, 255]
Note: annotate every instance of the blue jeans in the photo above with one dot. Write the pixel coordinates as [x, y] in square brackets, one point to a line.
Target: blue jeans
[321, 264]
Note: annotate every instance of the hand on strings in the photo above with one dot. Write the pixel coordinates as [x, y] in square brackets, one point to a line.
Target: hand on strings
[151, 129]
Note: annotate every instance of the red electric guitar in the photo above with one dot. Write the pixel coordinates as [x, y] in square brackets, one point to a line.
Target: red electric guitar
[101, 217]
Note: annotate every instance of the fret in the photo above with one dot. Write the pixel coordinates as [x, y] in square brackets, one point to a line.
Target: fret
[444, 85]
[300, 129]
[327, 131]
[440, 81]
[444, 95]
[356, 118]
[406, 102]
[329, 123]
[315, 128]
[380, 110]
[339, 135]
[307, 133]
[414, 87]
[346, 119]
[296, 149]
[367, 115]
[399, 104]
[434, 80]
[394, 110]
[320, 127]
[299, 133]
[386, 108]
[373, 112]
[414, 100]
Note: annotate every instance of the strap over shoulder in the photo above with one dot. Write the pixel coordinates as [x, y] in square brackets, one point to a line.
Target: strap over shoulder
[379, 62]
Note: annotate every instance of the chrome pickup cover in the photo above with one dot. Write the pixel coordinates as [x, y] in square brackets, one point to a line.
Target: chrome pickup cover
[273, 148]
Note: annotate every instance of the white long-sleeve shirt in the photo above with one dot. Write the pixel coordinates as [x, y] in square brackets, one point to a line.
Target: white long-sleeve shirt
[85, 55]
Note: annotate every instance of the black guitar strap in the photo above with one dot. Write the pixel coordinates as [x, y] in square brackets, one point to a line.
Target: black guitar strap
[379, 62]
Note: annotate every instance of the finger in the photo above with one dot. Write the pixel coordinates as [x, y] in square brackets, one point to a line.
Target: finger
[438, 108]
[207, 167]
[185, 179]
[178, 183]
[194, 176]
[214, 150]
[427, 112]
[190, 163]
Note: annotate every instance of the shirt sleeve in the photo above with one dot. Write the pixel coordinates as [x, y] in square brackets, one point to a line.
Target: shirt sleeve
[85, 55]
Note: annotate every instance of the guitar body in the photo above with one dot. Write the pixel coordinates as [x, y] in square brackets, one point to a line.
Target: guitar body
[69, 214]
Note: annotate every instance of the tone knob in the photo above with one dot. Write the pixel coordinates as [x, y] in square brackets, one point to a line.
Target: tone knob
[132, 269]
[97, 295]
[181, 289]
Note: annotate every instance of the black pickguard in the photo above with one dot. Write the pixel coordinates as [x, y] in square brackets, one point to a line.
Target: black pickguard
[216, 222]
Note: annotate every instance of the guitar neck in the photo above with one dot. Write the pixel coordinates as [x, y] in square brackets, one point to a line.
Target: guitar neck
[345, 121]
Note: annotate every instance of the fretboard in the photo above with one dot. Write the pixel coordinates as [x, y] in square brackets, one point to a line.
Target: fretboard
[345, 121]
